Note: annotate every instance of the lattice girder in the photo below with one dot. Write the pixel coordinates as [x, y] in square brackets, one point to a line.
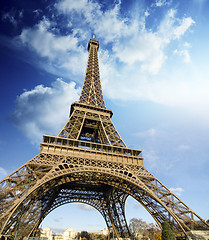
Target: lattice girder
[91, 93]
[116, 210]
[65, 194]
[130, 179]
[73, 126]
[91, 124]
[96, 196]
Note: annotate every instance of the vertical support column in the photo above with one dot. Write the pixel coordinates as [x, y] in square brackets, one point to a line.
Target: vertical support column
[116, 211]
[47, 202]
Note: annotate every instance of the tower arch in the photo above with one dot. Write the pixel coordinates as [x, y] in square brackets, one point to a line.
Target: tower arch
[104, 182]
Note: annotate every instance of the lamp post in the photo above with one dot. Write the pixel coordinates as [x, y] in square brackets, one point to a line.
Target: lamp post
[30, 179]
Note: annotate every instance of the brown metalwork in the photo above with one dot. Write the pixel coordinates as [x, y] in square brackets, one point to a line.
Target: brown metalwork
[91, 93]
[88, 162]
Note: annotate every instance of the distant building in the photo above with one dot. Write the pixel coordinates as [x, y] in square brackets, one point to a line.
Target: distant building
[47, 233]
[58, 236]
[99, 232]
[68, 234]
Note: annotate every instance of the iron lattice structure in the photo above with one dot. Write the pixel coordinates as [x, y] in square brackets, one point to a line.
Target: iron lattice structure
[88, 162]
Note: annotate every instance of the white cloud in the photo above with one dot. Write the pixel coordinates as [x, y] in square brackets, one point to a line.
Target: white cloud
[111, 26]
[183, 53]
[146, 14]
[70, 5]
[149, 133]
[152, 132]
[160, 3]
[152, 158]
[184, 25]
[106, 24]
[44, 110]
[63, 52]
[144, 48]
[84, 206]
[184, 147]
[172, 28]
[178, 191]
[186, 44]
[3, 173]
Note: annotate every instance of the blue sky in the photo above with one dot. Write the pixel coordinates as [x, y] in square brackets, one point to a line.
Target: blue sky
[153, 60]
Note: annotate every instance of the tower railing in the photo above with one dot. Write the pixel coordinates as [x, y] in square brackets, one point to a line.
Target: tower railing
[73, 143]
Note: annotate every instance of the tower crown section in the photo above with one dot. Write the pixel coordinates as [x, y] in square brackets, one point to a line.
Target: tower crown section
[91, 93]
[93, 43]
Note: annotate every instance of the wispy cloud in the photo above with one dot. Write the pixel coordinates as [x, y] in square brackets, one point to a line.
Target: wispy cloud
[184, 147]
[3, 172]
[184, 53]
[149, 133]
[160, 3]
[85, 207]
[178, 191]
[57, 219]
[152, 158]
[12, 16]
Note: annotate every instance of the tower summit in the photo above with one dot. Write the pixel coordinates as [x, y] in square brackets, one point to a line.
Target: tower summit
[92, 92]
[88, 162]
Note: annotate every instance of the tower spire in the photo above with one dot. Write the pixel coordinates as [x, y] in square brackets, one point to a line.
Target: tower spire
[91, 93]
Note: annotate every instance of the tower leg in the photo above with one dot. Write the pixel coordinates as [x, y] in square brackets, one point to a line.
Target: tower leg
[110, 203]
[116, 213]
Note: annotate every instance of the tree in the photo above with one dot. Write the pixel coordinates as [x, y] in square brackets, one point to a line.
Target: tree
[157, 236]
[145, 230]
[167, 233]
[97, 236]
[83, 235]
[137, 226]
[153, 231]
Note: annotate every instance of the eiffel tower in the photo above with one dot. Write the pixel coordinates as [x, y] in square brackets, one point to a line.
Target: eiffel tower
[88, 162]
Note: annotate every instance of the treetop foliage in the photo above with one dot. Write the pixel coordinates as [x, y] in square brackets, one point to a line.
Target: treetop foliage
[167, 233]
